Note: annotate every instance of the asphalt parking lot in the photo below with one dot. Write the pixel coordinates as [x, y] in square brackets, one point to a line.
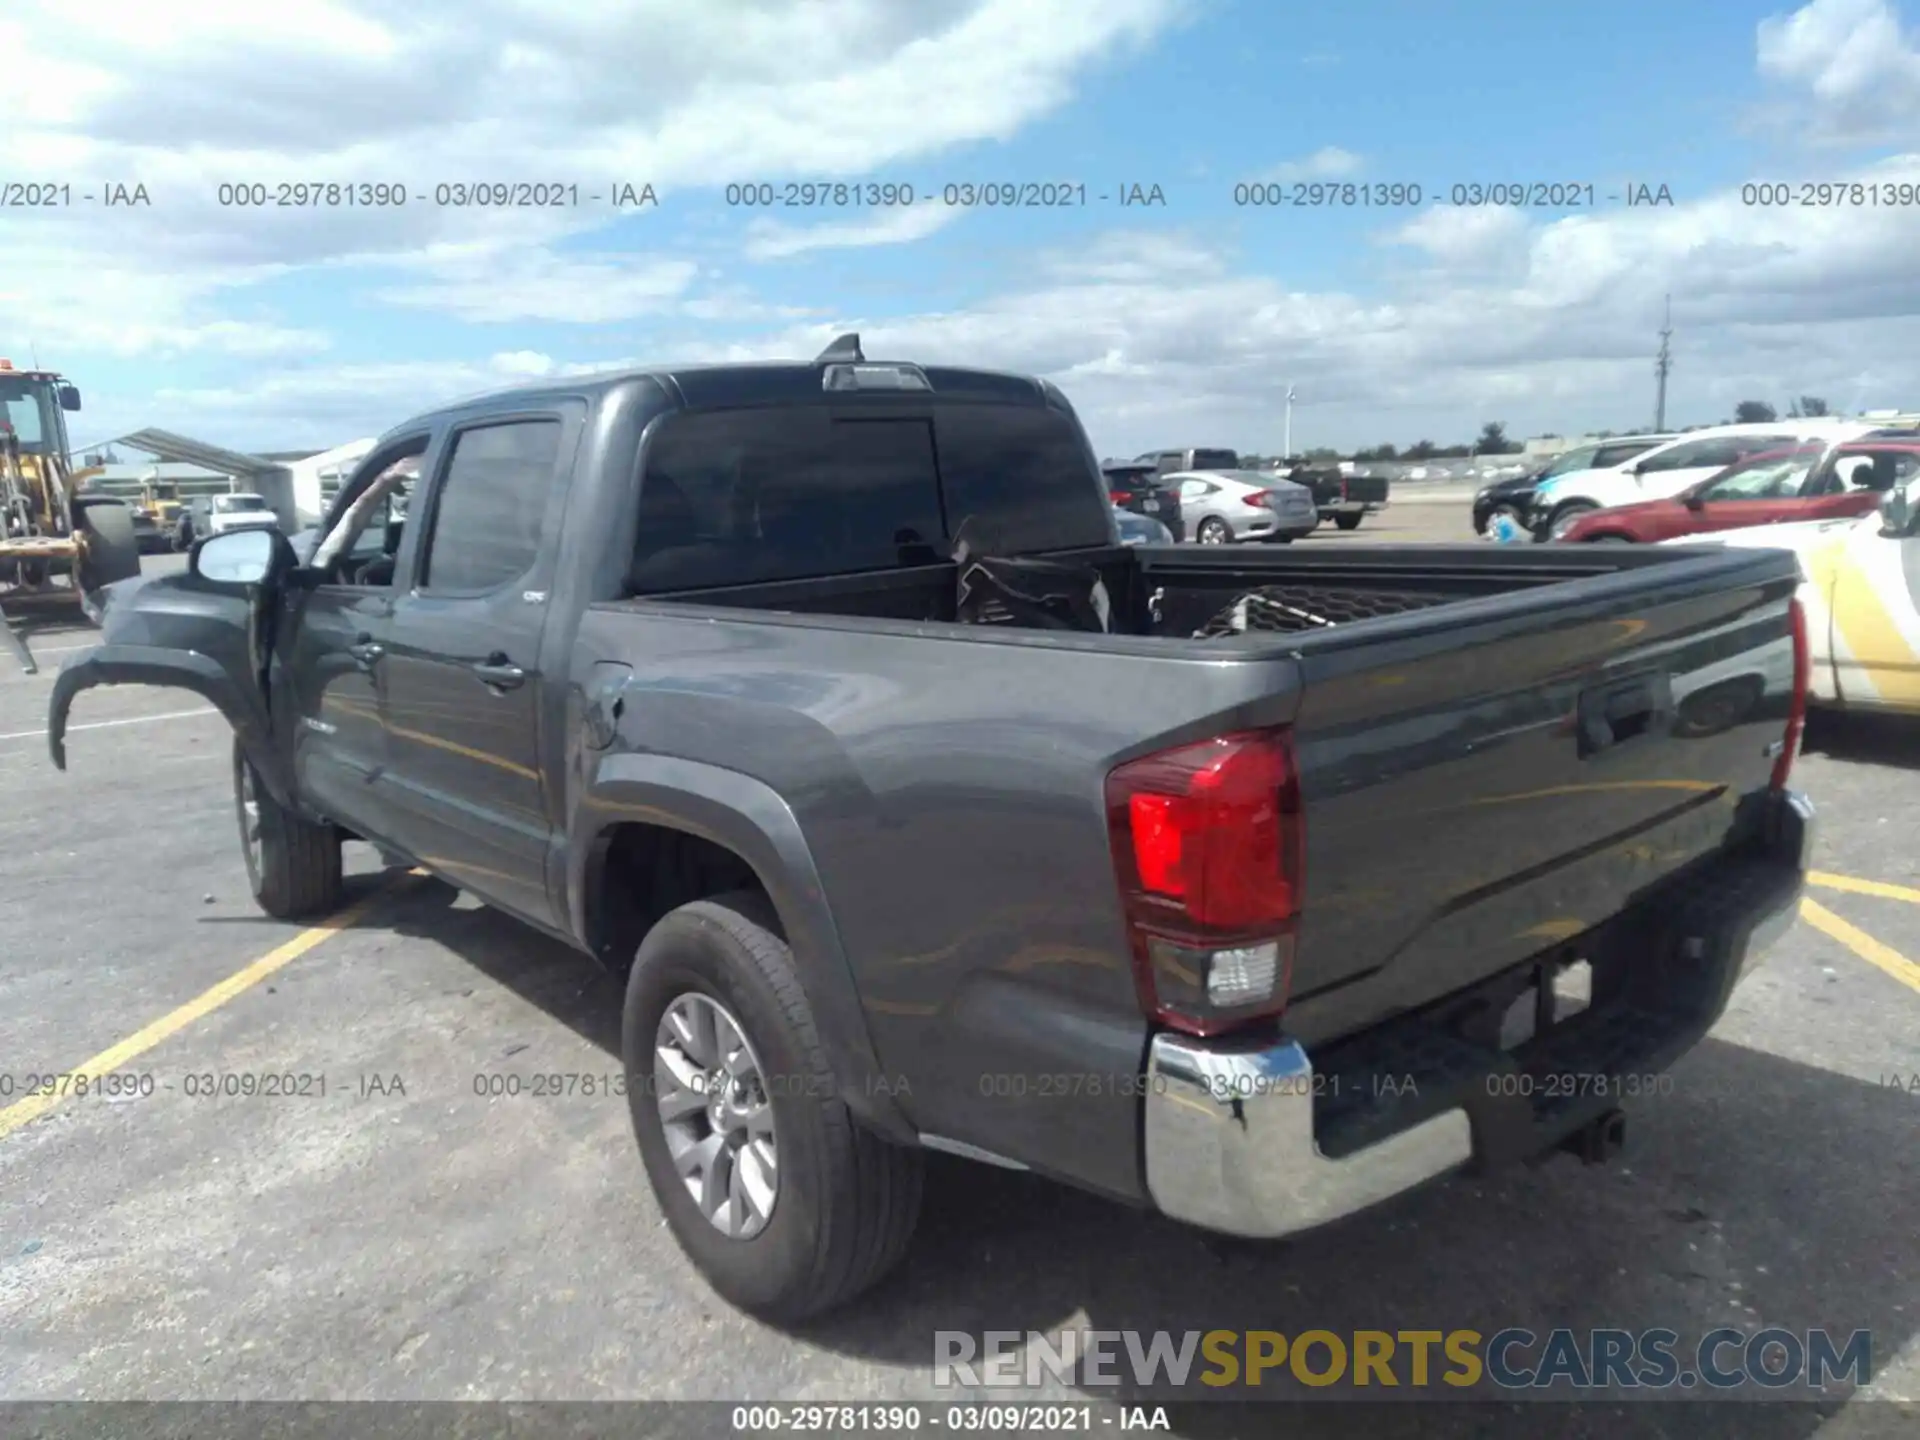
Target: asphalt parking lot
[401, 1236]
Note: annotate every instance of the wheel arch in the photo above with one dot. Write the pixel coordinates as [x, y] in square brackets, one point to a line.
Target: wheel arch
[176, 669]
[680, 818]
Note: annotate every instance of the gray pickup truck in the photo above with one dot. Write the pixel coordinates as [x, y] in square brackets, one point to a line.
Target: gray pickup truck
[821, 701]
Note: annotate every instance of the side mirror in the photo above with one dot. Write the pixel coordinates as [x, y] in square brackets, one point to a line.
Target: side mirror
[1896, 515]
[1694, 503]
[240, 559]
[69, 397]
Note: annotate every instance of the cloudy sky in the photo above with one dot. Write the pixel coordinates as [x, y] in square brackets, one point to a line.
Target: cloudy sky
[1176, 322]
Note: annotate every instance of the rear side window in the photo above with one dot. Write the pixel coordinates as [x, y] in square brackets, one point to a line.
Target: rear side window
[738, 497]
[1021, 478]
[487, 518]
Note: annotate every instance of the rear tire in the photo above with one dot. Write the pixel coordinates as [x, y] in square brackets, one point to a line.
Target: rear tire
[1347, 522]
[293, 865]
[113, 548]
[1213, 531]
[843, 1202]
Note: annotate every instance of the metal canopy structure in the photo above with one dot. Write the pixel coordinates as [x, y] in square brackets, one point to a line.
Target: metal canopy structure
[165, 445]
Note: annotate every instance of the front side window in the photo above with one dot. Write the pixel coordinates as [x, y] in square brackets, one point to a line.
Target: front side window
[1608, 456]
[1764, 480]
[488, 515]
[28, 407]
[1583, 458]
[1698, 455]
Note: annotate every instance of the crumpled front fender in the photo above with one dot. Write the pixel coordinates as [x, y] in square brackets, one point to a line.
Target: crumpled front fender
[181, 669]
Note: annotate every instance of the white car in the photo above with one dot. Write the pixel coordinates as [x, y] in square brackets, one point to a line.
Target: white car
[238, 512]
[1666, 470]
[1860, 593]
[1219, 507]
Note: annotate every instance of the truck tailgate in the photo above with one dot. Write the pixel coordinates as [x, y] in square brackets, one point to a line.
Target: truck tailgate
[1364, 489]
[1489, 778]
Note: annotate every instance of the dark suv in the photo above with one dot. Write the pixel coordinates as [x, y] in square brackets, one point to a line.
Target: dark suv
[1136, 485]
[1173, 462]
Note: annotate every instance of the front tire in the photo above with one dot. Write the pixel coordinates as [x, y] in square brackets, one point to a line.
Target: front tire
[113, 546]
[293, 865]
[1213, 531]
[773, 1190]
[1347, 522]
[1561, 520]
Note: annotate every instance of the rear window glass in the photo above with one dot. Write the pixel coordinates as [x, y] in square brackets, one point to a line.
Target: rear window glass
[1020, 478]
[738, 497]
[1215, 460]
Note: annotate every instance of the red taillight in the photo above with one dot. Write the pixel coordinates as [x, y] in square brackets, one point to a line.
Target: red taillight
[1259, 498]
[1797, 702]
[1208, 843]
[1118, 497]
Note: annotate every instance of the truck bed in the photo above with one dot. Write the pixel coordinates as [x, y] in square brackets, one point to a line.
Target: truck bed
[1186, 592]
[1456, 822]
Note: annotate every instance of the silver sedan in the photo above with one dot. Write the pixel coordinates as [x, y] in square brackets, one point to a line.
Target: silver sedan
[1220, 507]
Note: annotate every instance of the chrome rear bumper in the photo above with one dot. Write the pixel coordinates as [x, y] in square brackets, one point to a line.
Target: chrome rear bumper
[1229, 1142]
[1229, 1125]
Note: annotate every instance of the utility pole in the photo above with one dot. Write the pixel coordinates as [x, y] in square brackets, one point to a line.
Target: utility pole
[1287, 444]
[1661, 368]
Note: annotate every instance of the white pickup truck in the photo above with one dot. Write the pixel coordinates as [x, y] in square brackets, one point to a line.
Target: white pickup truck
[239, 512]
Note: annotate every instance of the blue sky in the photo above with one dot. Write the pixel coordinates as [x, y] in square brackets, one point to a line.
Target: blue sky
[1172, 323]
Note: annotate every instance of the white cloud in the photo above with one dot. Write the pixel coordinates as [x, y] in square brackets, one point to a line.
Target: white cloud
[1480, 314]
[1328, 163]
[482, 283]
[1862, 74]
[1463, 237]
[318, 405]
[185, 95]
[770, 240]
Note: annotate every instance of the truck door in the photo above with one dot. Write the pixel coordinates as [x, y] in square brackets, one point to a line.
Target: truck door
[1875, 585]
[466, 673]
[333, 648]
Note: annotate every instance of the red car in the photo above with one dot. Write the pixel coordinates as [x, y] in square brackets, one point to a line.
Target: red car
[1813, 482]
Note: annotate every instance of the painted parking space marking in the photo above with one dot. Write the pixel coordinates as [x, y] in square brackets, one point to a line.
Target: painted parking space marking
[24, 1112]
[1875, 952]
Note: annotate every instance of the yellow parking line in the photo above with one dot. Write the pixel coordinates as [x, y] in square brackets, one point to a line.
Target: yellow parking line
[1860, 943]
[1855, 886]
[23, 1112]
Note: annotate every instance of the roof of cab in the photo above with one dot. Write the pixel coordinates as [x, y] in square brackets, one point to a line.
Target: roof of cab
[735, 384]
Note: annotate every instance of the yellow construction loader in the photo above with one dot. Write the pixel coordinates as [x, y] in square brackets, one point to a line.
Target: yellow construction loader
[57, 545]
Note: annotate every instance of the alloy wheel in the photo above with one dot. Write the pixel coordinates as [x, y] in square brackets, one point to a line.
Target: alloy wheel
[717, 1114]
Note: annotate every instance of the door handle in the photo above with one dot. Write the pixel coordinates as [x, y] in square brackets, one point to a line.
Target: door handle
[500, 673]
[365, 650]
